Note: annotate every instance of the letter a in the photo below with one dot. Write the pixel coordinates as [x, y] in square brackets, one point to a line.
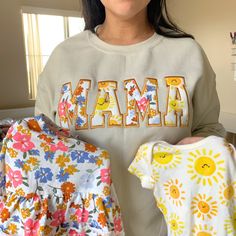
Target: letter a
[146, 102]
[106, 103]
[177, 102]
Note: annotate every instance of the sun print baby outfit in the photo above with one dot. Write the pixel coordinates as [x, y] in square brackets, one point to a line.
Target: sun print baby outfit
[194, 185]
[54, 184]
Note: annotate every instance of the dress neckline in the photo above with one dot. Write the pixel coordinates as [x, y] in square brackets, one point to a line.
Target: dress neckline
[50, 127]
[188, 146]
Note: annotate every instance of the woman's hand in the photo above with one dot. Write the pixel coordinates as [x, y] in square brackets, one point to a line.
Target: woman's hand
[189, 140]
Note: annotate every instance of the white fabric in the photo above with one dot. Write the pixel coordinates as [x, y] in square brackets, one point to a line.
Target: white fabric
[194, 185]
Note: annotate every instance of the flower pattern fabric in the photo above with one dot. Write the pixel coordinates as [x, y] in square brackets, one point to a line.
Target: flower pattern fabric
[194, 185]
[54, 184]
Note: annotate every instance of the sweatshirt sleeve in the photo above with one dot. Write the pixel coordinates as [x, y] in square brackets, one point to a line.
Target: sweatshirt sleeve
[206, 106]
[43, 102]
[46, 88]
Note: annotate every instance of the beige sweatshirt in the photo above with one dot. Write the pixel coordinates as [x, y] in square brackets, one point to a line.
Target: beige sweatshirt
[119, 97]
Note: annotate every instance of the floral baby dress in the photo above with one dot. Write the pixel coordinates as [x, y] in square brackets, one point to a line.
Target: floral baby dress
[54, 184]
[194, 185]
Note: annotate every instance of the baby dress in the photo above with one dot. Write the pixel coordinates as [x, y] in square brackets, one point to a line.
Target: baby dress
[54, 184]
[194, 185]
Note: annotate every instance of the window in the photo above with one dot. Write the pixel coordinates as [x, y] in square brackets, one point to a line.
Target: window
[42, 33]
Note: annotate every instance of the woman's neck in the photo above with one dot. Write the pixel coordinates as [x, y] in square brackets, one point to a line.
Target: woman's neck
[125, 32]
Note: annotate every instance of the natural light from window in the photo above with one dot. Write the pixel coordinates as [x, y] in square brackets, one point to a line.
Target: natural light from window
[42, 34]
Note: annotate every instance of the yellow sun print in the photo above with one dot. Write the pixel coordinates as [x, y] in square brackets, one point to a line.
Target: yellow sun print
[175, 105]
[174, 81]
[204, 207]
[142, 153]
[206, 167]
[155, 175]
[104, 85]
[227, 193]
[103, 102]
[173, 190]
[161, 204]
[165, 157]
[115, 120]
[203, 230]
[230, 223]
[176, 225]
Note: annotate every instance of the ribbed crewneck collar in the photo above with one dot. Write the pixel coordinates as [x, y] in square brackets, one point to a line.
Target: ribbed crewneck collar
[123, 49]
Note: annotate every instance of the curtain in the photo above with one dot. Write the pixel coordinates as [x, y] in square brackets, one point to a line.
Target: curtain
[34, 55]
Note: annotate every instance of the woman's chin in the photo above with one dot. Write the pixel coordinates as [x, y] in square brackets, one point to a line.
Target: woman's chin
[126, 9]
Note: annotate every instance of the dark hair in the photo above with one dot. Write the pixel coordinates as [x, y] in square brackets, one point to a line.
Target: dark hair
[158, 17]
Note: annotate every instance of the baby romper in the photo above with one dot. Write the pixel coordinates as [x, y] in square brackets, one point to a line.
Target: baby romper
[54, 184]
[194, 185]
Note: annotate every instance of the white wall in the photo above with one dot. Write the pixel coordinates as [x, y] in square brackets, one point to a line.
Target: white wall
[211, 22]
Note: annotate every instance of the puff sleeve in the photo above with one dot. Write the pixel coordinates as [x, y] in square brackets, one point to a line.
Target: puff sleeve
[141, 166]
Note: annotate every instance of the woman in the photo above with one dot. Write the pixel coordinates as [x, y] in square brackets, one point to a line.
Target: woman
[131, 77]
